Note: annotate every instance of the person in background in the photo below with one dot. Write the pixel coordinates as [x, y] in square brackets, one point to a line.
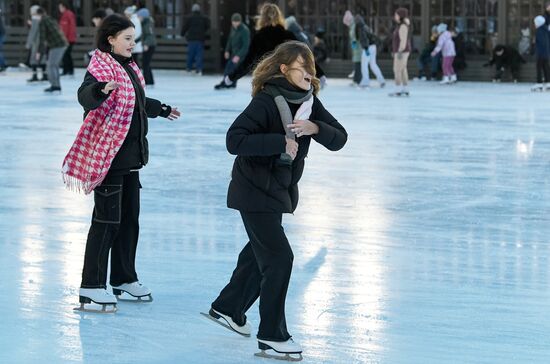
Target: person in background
[401, 47]
[67, 23]
[149, 44]
[2, 37]
[356, 50]
[194, 30]
[97, 18]
[130, 13]
[542, 51]
[505, 57]
[51, 37]
[446, 46]
[236, 48]
[425, 59]
[459, 63]
[33, 45]
[368, 41]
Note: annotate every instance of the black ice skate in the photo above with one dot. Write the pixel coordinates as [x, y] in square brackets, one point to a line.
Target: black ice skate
[133, 292]
[53, 90]
[286, 350]
[96, 300]
[227, 322]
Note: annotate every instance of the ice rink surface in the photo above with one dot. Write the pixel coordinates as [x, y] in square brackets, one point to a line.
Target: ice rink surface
[425, 240]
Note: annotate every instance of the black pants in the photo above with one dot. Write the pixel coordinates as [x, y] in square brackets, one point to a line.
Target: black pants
[357, 76]
[514, 69]
[543, 69]
[68, 67]
[263, 270]
[147, 73]
[115, 227]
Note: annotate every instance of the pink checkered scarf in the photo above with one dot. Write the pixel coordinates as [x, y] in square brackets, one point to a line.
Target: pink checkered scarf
[104, 129]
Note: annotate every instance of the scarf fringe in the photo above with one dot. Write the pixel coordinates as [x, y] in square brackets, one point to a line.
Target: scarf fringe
[73, 184]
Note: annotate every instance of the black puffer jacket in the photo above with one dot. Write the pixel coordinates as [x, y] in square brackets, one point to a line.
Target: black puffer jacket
[134, 152]
[196, 26]
[265, 40]
[259, 183]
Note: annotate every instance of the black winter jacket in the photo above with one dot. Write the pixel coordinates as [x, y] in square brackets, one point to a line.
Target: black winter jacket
[134, 152]
[265, 40]
[195, 28]
[258, 182]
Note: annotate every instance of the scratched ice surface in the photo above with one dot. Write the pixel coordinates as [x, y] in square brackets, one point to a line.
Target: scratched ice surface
[425, 240]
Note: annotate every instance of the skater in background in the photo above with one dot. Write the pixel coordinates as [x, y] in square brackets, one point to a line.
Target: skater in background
[459, 62]
[67, 24]
[401, 48]
[426, 61]
[271, 139]
[33, 45]
[368, 42]
[505, 57]
[356, 50]
[97, 18]
[2, 37]
[149, 44]
[51, 38]
[194, 30]
[542, 52]
[446, 46]
[236, 48]
[270, 32]
[109, 150]
[130, 13]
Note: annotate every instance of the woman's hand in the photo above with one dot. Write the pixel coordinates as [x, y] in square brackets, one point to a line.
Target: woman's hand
[110, 86]
[291, 147]
[174, 114]
[303, 127]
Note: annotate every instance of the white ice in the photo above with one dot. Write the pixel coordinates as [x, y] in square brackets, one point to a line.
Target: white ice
[425, 240]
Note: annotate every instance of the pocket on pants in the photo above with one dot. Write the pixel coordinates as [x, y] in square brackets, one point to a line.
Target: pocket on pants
[108, 201]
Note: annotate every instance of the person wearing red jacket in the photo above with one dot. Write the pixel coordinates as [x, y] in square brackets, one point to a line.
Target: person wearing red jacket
[67, 23]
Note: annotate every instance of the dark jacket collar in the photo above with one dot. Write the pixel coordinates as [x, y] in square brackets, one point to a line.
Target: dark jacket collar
[121, 59]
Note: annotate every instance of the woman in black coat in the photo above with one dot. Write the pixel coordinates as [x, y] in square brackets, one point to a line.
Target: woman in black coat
[270, 33]
[264, 185]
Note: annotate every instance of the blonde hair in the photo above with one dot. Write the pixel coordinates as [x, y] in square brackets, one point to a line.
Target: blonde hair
[270, 15]
[286, 53]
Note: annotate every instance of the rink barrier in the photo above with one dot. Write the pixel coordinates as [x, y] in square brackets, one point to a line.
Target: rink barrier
[171, 50]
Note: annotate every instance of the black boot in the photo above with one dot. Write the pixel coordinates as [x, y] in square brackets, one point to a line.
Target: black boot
[53, 89]
[33, 78]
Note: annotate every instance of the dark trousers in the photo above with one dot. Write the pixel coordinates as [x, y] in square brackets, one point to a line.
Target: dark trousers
[68, 66]
[229, 68]
[195, 51]
[500, 67]
[543, 69]
[147, 73]
[358, 75]
[115, 227]
[263, 270]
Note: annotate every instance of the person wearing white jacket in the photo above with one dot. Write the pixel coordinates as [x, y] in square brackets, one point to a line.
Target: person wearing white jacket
[130, 13]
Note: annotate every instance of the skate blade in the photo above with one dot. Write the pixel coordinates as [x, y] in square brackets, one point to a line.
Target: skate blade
[126, 297]
[285, 357]
[101, 308]
[222, 323]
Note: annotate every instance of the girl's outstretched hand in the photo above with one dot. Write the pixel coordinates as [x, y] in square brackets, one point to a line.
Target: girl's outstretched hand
[174, 114]
[303, 127]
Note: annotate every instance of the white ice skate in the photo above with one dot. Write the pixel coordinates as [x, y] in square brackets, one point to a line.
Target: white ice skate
[445, 81]
[133, 292]
[537, 87]
[453, 79]
[227, 322]
[96, 300]
[286, 350]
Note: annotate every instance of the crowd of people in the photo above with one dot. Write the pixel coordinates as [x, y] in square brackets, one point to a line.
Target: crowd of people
[50, 43]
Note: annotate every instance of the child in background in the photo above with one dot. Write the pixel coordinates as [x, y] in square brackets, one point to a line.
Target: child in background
[446, 46]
